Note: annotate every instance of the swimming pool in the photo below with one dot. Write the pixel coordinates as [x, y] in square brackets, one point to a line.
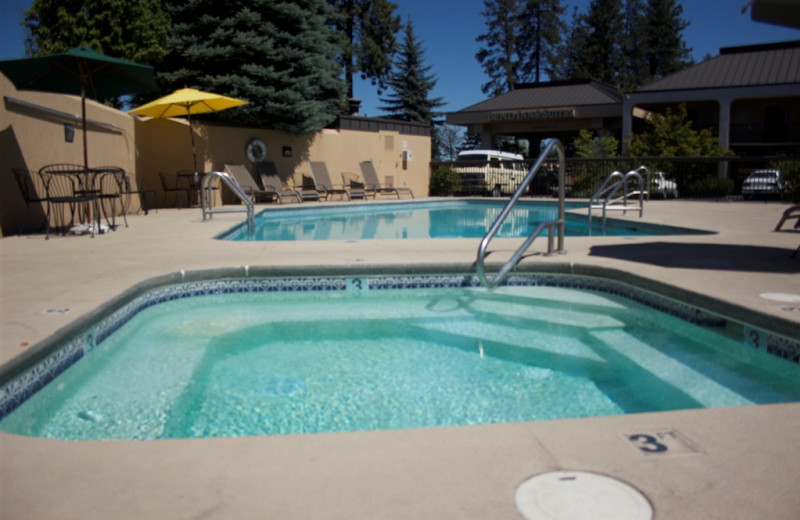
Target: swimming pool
[360, 352]
[429, 219]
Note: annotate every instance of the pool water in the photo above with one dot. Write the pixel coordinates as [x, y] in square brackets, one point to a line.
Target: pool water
[304, 362]
[429, 219]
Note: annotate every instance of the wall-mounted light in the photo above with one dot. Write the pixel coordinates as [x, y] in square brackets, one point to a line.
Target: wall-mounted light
[69, 132]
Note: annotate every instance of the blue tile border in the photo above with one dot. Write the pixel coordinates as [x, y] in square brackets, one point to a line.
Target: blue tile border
[16, 390]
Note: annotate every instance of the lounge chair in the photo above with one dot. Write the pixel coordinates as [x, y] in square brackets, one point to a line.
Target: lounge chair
[271, 182]
[248, 183]
[792, 212]
[324, 185]
[33, 193]
[372, 184]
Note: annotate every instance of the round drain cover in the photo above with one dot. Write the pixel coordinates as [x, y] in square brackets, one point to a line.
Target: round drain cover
[576, 495]
[781, 297]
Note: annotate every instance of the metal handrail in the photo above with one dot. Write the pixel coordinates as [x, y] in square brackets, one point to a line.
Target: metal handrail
[610, 189]
[207, 203]
[552, 225]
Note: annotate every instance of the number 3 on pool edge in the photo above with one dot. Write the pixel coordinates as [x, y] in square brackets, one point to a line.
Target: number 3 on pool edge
[647, 443]
[356, 284]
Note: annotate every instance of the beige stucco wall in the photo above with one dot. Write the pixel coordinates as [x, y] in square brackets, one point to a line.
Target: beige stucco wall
[31, 138]
[165, 146]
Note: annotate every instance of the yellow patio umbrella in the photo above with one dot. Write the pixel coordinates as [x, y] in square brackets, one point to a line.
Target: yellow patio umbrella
[185, 102]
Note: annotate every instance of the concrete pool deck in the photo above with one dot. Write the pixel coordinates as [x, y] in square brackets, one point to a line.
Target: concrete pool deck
[721, 463]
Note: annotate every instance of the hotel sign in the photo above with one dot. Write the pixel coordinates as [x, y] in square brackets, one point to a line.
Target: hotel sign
[522, 115]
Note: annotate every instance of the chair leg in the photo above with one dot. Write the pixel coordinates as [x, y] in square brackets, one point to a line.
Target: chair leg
[47, 222]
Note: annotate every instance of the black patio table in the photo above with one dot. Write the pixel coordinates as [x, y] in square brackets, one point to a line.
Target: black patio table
[77, 186]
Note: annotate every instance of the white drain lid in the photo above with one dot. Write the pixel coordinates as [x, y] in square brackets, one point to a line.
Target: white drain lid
[576, 495]
[781, 297]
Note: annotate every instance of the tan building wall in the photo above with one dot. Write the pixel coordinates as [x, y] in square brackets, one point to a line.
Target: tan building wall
[32, 135]
[165, 146]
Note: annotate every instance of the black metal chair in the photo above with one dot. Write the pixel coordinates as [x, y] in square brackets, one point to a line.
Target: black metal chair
[109, 182]
[145, 202]
[69, 190]
[174, 184]
[33, 192]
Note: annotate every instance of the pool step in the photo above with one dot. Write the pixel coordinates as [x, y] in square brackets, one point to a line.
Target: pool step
[510, 342]
[704, 390]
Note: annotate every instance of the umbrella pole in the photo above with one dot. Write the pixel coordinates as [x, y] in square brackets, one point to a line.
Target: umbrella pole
[83, 118]
[87, 176]
[191, 134]
[194, 156]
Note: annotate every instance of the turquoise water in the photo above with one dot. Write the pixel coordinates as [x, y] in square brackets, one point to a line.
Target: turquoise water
[299, 362]
[431, 219]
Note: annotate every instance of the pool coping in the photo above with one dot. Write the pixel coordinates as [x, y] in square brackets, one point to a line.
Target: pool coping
[38, 366]
[746, 469]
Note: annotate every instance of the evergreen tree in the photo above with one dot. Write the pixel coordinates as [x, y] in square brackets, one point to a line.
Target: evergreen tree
[471, 142]
[634, 73]
[665, 52]
[627, 47]
[411, 84]
[597, 39]
[277, 55]
[134, 30]
[539, 35]
[367, 30]
[499, 57]
[565, 66]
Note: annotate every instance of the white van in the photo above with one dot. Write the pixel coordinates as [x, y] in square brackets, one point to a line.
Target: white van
[490, 172]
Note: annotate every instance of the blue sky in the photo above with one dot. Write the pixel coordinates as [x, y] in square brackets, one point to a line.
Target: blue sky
[448, 28]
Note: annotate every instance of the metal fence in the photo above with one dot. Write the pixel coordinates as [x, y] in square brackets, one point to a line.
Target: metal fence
[687, 178]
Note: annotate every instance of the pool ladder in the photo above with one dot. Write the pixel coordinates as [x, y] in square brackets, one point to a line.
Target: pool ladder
[207, 203]
[602, 198]
[553, 145]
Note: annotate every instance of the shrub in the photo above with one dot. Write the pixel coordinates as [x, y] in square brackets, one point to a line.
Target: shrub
[708, 187]
[790, 173]
[444, 181]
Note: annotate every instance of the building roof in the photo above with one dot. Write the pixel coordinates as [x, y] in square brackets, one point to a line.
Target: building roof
[550, 95]
[754, 65]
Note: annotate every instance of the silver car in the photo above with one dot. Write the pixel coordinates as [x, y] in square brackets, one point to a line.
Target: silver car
[762, 183]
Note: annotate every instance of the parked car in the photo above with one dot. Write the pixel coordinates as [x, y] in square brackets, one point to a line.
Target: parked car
[764, 183]
[662, 187]
[490, 172]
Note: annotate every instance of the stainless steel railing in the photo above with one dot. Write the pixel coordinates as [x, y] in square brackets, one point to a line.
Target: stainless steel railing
[207, 202]
[554, 227]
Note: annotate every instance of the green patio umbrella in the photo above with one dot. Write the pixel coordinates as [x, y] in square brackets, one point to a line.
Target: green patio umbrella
[80, 71]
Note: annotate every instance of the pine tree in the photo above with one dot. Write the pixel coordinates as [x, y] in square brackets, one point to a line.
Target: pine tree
[539, 35]
[627, 47]
[366, 30]
[521, 42]
[665, 51]
[499, 57]
[411, 85]
[597, 38]
[634, 72]
[134, 30]
[277, 55]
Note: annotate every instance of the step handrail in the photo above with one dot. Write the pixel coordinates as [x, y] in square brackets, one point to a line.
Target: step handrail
[609, 189]
[552, 226]
[207, 203]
